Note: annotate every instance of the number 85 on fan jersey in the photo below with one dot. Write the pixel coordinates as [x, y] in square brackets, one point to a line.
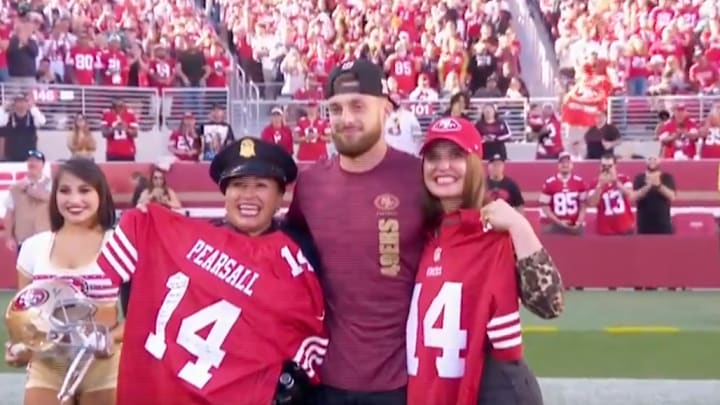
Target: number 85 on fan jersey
[464, 307]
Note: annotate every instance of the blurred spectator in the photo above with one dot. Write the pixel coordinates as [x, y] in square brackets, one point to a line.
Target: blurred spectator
[602, 138]
[294, 74]
[678, 135]
[502, 187]
[654, 194]
[219, 67]
[119, 128]
[495, 132]
[45, 74]
[80, 141]
[139, 70]
[423, 91]
[114, 64]
[159, 192]
[402, 130]
[27, 205]
[277, 131]
[194, 70]
[80, 62]
[184, 142]
[404, 68]
[483, 64]
[18, 128]
[163, 70]
[710, 134]
[612, 194]
[22, 51]
[312, 134]
[563, 200]
[139, 183]
[215, 133]
[490, 90]
[543, 127]
[459, 103]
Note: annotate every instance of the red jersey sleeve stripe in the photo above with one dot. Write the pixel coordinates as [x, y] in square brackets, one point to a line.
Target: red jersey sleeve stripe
[310, 355]
[120, 254]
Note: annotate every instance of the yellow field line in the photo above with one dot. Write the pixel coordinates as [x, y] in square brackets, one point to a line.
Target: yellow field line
[619, 330]
[614, 330]
[539, 329]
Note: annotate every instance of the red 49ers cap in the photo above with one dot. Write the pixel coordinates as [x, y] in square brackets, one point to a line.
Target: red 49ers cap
[459, 131]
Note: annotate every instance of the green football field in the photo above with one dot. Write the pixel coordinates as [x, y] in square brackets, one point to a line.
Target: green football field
[664, 335]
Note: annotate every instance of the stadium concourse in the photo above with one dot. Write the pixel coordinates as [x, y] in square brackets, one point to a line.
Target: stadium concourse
[620, 347]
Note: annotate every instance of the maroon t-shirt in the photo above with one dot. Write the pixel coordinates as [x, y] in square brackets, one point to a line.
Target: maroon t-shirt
[368, 229]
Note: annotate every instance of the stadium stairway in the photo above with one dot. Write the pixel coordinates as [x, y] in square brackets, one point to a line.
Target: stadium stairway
[537, 57]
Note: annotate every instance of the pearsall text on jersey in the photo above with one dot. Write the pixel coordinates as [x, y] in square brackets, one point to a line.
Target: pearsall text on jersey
[224, 267]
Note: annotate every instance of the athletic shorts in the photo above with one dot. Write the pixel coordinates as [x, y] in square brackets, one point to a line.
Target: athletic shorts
[508, 383]
[102, 374]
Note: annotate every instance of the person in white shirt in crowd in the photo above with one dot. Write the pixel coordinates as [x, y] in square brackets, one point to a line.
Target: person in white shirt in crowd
[402, 129]
[423, 91]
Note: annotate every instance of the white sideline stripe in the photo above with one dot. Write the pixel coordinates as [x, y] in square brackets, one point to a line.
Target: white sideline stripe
[219, 212]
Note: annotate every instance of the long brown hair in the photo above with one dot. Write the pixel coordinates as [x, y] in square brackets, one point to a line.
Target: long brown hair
[473, 194]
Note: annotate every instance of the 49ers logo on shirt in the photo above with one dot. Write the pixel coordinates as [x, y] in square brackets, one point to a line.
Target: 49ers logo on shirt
[32, 297]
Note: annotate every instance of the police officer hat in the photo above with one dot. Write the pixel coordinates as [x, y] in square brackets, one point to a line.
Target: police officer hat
[253, 157]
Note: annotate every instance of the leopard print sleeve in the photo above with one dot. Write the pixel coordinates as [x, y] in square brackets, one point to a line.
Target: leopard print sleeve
[540, 284]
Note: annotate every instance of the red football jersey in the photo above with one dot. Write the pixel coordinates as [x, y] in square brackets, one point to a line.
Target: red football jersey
[213, 313]
[218, 70]
[683, 147]
[115, 66]
[564, 196]
[83, 63]
[162, 72]
[614, 211]
[119, 143]
[464, 307]
[281, 136]
[710, 148]
[404, 72]
[187, 143]
[315, 149]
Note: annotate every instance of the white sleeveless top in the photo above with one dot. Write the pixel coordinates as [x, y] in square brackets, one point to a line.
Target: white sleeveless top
[34, 261]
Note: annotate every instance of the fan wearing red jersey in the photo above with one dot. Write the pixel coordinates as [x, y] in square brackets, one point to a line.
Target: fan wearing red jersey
[119, 128]
[115, 64]
[710, 135]
[563, 199]
[612, 194]
[678, 135]
[312, 134]
[81, 60]
[404, 68]
[219, 312]
[162, 69]
[463, 330]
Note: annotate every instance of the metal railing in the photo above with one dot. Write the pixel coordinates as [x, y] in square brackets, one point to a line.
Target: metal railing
[635, 117]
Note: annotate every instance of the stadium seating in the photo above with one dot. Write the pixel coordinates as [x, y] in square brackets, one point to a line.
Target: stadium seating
[280, 25]
[667, 36]
[128, 20]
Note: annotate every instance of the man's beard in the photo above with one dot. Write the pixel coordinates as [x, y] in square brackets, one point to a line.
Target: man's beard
[359, 146]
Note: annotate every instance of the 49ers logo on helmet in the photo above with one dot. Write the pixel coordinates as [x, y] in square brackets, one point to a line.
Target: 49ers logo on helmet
[30, 298]
[78, 282]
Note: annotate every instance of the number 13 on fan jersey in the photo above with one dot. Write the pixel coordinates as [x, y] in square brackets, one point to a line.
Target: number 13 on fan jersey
[450, 338]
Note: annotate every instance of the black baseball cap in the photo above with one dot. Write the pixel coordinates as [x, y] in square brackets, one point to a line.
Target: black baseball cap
[252, 157]
[358, 76]
[36, 154]
[497, 158]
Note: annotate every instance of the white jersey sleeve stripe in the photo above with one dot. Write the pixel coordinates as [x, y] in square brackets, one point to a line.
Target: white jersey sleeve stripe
[507, 344]
[126, 244]
[119, 253]
[513, 329]
[501, 320]
[116, 267]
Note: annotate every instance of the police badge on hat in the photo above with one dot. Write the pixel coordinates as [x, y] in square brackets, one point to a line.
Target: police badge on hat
[247, 148]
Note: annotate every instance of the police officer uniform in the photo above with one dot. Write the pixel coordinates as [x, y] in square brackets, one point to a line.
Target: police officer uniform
[254, 157]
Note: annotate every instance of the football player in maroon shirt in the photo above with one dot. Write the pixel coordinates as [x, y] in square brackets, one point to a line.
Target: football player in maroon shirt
[467, 282]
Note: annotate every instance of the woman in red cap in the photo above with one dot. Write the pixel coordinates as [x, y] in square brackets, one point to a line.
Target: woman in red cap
[464, 342]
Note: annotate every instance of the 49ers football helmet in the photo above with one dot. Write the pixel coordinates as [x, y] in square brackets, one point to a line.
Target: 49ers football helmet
[52, 318]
